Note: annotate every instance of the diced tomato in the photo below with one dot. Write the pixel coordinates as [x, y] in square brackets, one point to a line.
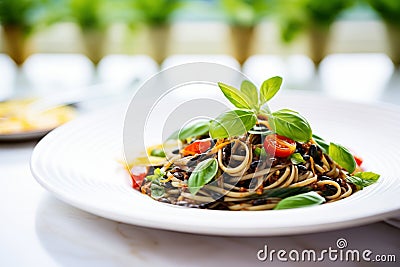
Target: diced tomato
[197, 147]
[138, 173]
[278, 145]
[358, 160]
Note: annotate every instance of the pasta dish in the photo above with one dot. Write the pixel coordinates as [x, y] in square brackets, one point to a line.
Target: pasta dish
[250, 158]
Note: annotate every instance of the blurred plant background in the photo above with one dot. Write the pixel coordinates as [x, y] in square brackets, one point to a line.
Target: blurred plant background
[389, 12]
[93, 17]
[156, 16]
[243, 17]
[163, 27]
[20, 19]
[314, 17]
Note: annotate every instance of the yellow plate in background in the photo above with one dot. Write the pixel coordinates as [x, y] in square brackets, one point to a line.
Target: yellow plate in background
[19, 122]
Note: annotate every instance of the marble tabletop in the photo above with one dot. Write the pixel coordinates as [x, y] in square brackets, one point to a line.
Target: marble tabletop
[37, 229]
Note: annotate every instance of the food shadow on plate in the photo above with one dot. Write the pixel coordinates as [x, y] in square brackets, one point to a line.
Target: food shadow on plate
[74, 237]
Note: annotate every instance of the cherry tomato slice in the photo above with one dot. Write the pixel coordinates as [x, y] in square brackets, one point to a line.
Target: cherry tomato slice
[358, 160]
[280, 146]
[197, 147]
[138, 173]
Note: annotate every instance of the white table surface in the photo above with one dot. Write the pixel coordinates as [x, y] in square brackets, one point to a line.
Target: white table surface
[39, 230]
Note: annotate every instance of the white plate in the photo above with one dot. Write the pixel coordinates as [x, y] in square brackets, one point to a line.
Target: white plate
[78, 162]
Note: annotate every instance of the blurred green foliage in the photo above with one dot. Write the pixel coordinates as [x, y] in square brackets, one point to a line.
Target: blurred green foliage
[292, 16]
[29, 15]
[87, 14]
[152, 12]
[295, 16]
[94, 14]
[388, 10]
[245, 12]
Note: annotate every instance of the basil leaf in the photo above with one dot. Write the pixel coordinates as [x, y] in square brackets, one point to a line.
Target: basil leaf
[197, 129]
[299, 201]
[296, 158]
[321, 143]
[269, 88]
[232, 123]
[250, 90]
[369, 176]
[202, 174]
[236, 97]
[158, 173]
[342, 156]
[157, 153]
[290, 124]
[363, 179]
[157, 190]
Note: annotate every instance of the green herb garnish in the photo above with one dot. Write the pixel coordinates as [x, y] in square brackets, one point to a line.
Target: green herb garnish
[193, 130]
[237, 122]
[321, 143]
[302, 200]
[363, 179]
[342, 156]
[296, 158]
[157, 153]
[291, 124]
[202, 174]
[158, 174]
[250, 90]
[232, 123]
[236, 97]
[157, 189]
[269, 88]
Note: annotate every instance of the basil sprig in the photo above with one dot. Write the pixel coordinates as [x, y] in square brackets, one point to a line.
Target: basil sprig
[193, 130]
[202, 174]
[300, 200]
[283, 122]
[342, 156]
[363, 179]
